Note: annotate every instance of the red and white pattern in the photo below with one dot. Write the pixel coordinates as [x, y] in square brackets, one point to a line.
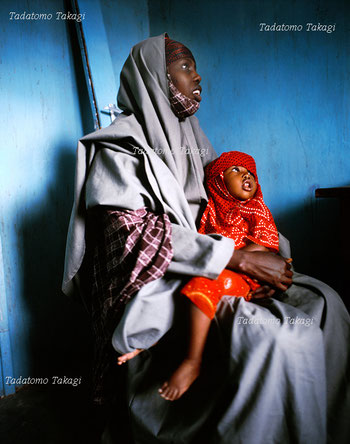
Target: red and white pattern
[175, 50]
[243, 221]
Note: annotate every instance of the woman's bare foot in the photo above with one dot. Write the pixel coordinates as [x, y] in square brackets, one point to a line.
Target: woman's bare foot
[181, 380]
[124, 358]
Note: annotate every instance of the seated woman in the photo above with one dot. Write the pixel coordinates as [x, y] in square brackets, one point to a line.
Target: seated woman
[235, 209]
[276, 372]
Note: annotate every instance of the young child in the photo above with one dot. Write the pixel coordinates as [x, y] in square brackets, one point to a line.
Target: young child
[235, 209]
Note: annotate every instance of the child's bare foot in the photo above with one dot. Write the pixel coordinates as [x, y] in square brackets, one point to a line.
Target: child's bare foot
[181, 380]
[124, 358]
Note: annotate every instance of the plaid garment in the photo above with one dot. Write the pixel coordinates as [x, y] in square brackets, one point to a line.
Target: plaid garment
[181, 105]
[131, 249]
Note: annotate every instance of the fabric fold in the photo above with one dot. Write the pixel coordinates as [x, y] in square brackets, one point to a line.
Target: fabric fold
[130, 249]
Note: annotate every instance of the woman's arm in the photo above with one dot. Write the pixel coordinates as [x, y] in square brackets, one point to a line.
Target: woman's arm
[265, 290]
[264, 266]
[207, 255]
[197, 254]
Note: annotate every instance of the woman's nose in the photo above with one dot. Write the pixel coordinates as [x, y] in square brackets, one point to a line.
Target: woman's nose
[197, 78]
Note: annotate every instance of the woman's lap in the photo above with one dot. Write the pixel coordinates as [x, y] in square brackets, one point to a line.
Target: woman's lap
[277, 358]
[263, 377]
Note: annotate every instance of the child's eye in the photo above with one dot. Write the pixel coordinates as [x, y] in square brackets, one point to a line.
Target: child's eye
[235, 169]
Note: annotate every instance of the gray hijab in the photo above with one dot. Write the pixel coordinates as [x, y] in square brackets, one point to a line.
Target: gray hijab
[144, 92]
[146, 157]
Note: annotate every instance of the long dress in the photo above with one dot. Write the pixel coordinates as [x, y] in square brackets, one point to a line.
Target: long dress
[273, 372]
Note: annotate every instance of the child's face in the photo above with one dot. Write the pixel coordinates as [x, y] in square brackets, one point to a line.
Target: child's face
[185, 77]
[240, 182]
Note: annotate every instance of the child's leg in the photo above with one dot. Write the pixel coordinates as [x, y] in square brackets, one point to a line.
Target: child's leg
[189, 369]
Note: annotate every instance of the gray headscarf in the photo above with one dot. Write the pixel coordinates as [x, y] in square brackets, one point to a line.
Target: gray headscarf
[147, 157]
[144, 92]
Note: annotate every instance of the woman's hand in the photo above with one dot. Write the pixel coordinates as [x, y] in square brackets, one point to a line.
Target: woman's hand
[264, 266]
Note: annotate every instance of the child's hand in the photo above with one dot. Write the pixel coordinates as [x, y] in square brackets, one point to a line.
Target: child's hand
[263, 292]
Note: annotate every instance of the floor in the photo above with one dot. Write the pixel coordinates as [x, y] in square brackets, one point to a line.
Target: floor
[51, 415]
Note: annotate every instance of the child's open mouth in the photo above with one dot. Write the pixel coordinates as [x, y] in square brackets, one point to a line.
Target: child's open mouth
[247, 185]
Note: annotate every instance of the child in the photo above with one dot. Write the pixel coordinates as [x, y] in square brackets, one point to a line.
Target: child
[235, 209]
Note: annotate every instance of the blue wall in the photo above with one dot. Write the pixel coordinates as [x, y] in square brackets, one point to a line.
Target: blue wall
[283, 97]
[42, 116]
[126, 23]
[44, 111]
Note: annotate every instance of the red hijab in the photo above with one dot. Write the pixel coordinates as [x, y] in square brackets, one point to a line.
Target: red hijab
[243, 221]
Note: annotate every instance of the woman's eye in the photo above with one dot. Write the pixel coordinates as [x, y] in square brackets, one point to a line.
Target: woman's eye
[184, 66]
[235, 169]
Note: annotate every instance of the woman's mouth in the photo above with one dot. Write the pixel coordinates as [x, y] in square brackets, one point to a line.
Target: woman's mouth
[197, 94]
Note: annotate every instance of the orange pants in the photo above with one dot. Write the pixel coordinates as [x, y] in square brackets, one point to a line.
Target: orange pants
[206, 293]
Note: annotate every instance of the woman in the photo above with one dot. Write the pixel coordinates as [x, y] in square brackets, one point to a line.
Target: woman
[272, 370]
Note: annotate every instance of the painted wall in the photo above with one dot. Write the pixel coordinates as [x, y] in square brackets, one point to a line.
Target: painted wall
[126, 23]
[44, 111]
[111, 28]
[42, 116]
[281, 96]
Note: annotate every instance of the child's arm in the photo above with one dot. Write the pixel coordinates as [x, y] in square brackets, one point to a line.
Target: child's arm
[254, 247]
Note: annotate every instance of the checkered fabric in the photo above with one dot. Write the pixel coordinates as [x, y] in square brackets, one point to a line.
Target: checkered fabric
[132, 248]
[181, 105]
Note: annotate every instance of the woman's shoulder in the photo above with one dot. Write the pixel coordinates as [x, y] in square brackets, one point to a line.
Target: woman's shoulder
[123, 126]
[124, 133]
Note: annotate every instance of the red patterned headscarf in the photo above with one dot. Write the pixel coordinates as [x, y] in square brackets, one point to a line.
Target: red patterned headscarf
[175, 50]
[243, 221]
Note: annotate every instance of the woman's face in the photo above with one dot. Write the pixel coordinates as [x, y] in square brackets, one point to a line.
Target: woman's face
[240, 182]
[185, 78]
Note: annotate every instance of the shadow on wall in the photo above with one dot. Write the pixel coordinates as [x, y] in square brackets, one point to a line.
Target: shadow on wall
[59, 333]
[314, 234]
[59, 336]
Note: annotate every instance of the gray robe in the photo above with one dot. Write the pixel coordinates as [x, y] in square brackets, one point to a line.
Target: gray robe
[273, 373]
